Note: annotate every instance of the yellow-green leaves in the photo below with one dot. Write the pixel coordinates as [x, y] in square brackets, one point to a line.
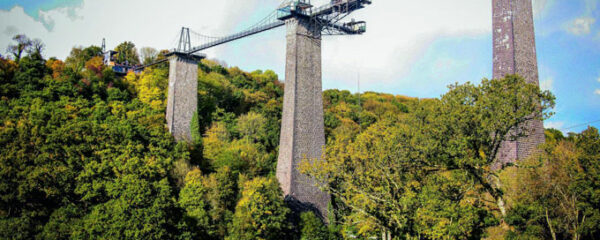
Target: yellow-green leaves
[423, 170]
[261, 212]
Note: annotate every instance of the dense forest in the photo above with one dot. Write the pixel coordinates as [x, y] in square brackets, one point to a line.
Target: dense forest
[85, 154]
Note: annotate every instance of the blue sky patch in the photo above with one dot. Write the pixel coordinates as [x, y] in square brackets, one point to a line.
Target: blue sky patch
[33, 7]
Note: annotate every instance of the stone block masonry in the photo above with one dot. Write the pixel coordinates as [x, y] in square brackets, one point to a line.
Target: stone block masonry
[515, 53]
[182, 98]
[302, 124]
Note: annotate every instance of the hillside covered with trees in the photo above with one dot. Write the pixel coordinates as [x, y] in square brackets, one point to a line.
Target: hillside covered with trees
[85, 154]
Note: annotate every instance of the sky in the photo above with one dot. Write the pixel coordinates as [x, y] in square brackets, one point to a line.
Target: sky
[413, 48]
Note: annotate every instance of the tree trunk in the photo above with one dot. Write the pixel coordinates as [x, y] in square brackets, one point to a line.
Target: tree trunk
[550, 226]
[386, 235]
[493, 188]
[501, 206]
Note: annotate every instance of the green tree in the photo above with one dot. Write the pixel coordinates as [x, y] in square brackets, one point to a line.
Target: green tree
[23, 44]
[312, 227]
[193, 199]
[222, 197]
[8, 68]
[79, 56]
[151, 86]
[209, 202]
[127, 53]
[261, 212]
[252, 126]
[558, 191]
[77, 151]
[383, 172]
[37, 47]
[148, 55]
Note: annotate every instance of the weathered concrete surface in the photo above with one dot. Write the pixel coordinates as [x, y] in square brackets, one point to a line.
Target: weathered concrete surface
[182, 98]
[302, 125]
[515, 53]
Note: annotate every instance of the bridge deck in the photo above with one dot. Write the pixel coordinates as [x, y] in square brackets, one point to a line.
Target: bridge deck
[237, 36]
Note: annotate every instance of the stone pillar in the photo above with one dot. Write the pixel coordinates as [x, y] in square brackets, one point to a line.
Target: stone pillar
[302, 125]
[182, 98]
[515, 53]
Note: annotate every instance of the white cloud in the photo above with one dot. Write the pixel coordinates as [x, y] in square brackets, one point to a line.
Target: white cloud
[547, 84]
[146, 23]
[555, 125]
[590, 6]
[581, 26]
[558, 125]
[540, 7]
[398, 32]
[597, 92]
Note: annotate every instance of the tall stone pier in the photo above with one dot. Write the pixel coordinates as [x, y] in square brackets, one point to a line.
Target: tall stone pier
[302, 125]
[182, 98]
[515, 53]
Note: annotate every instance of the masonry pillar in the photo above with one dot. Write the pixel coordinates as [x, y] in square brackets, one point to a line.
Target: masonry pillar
[515, 53]
[302, 125]
[182, 98]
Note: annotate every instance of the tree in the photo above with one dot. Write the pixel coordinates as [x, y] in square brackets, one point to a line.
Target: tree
[252, 126]
[382, 172]
[148, 55]
[261, 212]
[127, 53]
[57, 66]
[80, 150]
[222, 197]
[193, 199]
[95, 65]
[37, 47]
[152, 87]
[311, 227]
[215, 140]
[558, 192]
[7, 70]
[79, 56]
[23, 44]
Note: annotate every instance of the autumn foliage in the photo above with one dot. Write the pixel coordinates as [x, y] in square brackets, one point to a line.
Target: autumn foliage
[85, 154]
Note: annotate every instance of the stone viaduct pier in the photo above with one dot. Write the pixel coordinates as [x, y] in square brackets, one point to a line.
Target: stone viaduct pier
[515, 53]
[302, 125]
[182, 97]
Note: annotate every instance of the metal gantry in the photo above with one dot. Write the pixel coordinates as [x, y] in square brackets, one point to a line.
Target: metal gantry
[328, 16]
